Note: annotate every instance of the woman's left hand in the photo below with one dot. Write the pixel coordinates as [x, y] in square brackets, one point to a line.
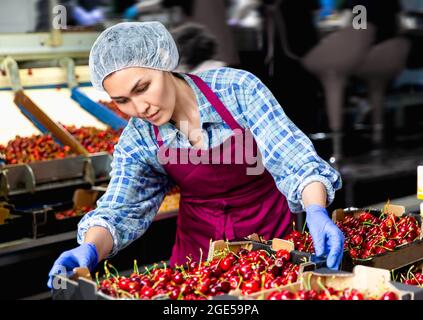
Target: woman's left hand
[327, 238]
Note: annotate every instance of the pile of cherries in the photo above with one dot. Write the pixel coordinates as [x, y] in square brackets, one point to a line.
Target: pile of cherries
[112, 106]
[44, 147]
[302, 241]
[96, 140]
[329, 293]
[245, 271]
[73, 212]
[33, 148]
[367, 235]
[414, 276]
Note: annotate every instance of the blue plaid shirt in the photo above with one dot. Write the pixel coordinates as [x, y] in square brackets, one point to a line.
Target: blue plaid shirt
[139, 182]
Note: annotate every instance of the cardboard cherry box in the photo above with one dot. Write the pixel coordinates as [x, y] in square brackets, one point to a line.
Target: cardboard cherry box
[305, 261]
[410, 276]
[401, 256]
[81, 286]
[254, 242]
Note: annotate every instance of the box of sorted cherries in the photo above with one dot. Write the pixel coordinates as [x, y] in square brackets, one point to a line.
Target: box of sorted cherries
[411, 277]
[388, 238]
[365, 283]
[231, 270]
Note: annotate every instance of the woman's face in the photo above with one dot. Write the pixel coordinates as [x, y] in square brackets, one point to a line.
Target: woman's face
[143, 93]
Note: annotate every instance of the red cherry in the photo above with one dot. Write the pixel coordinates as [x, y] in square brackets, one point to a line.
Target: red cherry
[147, 292]
[234, 281]
[286, 295]
[283, 254]
[390, 245]
[178, 278]
[227, 262]
[174, 293]
[133, 286]
[124, 284]
[224, 286]
[389, 296]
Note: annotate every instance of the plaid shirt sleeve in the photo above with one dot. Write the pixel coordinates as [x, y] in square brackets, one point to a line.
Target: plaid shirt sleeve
[287, 152]
[133, 197]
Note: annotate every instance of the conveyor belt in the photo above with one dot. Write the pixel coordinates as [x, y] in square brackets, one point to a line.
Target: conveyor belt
[12, 121]
[58, 105]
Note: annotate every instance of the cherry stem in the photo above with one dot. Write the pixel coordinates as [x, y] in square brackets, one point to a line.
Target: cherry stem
[201, 257]
[136, 267]
[409, 271]
[308, 283]
[97, 279]
[106, 270]
[304, 226]
[115, 270]
[393, 275]
[241, 279]
[322, 287]
[200, 293]
[147, 271]
[414, 276]
[180, 295]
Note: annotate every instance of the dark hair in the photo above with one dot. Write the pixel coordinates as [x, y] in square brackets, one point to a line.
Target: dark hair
[195, 44]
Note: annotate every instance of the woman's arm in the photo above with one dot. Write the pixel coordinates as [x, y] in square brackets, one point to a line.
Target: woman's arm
[314, 193]
[287, 153]
[133, 197]
[102, 239]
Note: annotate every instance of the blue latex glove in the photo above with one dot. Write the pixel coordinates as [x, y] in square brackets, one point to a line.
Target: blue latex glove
[327, 238]
[131, 12]
[83, 256]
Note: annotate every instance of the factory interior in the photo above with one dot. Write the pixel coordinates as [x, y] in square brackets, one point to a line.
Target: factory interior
[348, 74]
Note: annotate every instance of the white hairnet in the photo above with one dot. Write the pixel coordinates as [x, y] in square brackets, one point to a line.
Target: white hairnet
[132, 44]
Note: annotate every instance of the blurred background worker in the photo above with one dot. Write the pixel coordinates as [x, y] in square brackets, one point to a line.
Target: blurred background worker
[197, 48]
[383, 16]
[212, 15]
[289, 32]
[145, 6]
[244, 13]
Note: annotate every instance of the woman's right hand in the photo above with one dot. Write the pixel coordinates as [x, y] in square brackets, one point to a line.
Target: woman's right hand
[83, 256]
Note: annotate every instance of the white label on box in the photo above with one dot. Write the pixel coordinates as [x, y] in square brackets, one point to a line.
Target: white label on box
[420, 182]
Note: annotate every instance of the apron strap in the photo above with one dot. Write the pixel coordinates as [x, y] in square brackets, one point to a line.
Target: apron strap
[215, 102]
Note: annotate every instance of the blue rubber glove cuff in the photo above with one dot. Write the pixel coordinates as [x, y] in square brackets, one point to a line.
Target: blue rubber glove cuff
[83, 256]
[327, 238]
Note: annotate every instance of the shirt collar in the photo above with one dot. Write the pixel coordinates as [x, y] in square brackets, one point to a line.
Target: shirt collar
[208, 114]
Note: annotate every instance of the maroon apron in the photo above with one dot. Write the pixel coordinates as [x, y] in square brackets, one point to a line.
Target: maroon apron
[221, 201]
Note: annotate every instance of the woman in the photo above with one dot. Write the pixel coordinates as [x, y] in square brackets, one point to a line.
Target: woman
[183, 128]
